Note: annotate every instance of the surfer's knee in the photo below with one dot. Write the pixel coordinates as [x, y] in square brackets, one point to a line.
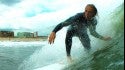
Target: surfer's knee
[68, 55]
[87, 47]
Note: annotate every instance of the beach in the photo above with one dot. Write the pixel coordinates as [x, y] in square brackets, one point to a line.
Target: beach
[43, 38]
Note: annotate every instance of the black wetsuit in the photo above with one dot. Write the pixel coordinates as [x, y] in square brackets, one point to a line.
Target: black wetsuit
[78, 27]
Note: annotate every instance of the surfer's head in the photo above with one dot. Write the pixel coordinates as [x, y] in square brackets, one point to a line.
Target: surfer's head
[90, 11]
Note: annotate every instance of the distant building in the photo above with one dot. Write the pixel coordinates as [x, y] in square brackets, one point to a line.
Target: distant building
[35, 34]
[6, 34]
[26, 34]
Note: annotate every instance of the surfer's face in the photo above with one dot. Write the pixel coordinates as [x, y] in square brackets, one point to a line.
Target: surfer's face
[89, 12]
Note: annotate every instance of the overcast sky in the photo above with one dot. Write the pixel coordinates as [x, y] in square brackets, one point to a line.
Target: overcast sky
[38, 14]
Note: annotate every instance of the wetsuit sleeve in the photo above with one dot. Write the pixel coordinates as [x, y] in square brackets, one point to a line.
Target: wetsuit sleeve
[92, 29]
[67, 22]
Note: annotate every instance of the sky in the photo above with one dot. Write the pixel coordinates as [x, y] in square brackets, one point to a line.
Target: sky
[43, 15]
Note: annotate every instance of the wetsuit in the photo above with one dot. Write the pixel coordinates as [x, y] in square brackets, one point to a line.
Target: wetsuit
[78, 27]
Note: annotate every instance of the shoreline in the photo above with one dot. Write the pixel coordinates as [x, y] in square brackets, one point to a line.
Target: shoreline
[44, 38]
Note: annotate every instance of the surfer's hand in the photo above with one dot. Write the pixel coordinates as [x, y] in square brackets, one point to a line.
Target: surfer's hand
[52, 38]
[106, 38]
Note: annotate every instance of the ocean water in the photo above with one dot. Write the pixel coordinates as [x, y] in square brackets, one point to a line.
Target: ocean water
[12, 54]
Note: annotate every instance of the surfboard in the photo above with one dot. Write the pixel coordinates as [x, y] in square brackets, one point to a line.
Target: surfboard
[55, 66]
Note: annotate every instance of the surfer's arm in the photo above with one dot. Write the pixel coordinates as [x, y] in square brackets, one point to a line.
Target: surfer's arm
[92, 29]
[67, 22]
[93, 32]
[57, 28]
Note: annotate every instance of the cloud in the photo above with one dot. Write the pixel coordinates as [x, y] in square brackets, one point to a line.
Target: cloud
[36, 11]
[9, 2]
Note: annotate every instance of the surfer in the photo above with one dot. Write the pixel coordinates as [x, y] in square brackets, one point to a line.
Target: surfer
[78, 25]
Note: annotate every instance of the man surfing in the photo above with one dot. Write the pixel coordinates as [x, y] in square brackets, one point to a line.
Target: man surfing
[78, 25]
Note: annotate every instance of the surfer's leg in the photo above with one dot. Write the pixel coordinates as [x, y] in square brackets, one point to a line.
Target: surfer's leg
[68, 42]
[85, 41]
